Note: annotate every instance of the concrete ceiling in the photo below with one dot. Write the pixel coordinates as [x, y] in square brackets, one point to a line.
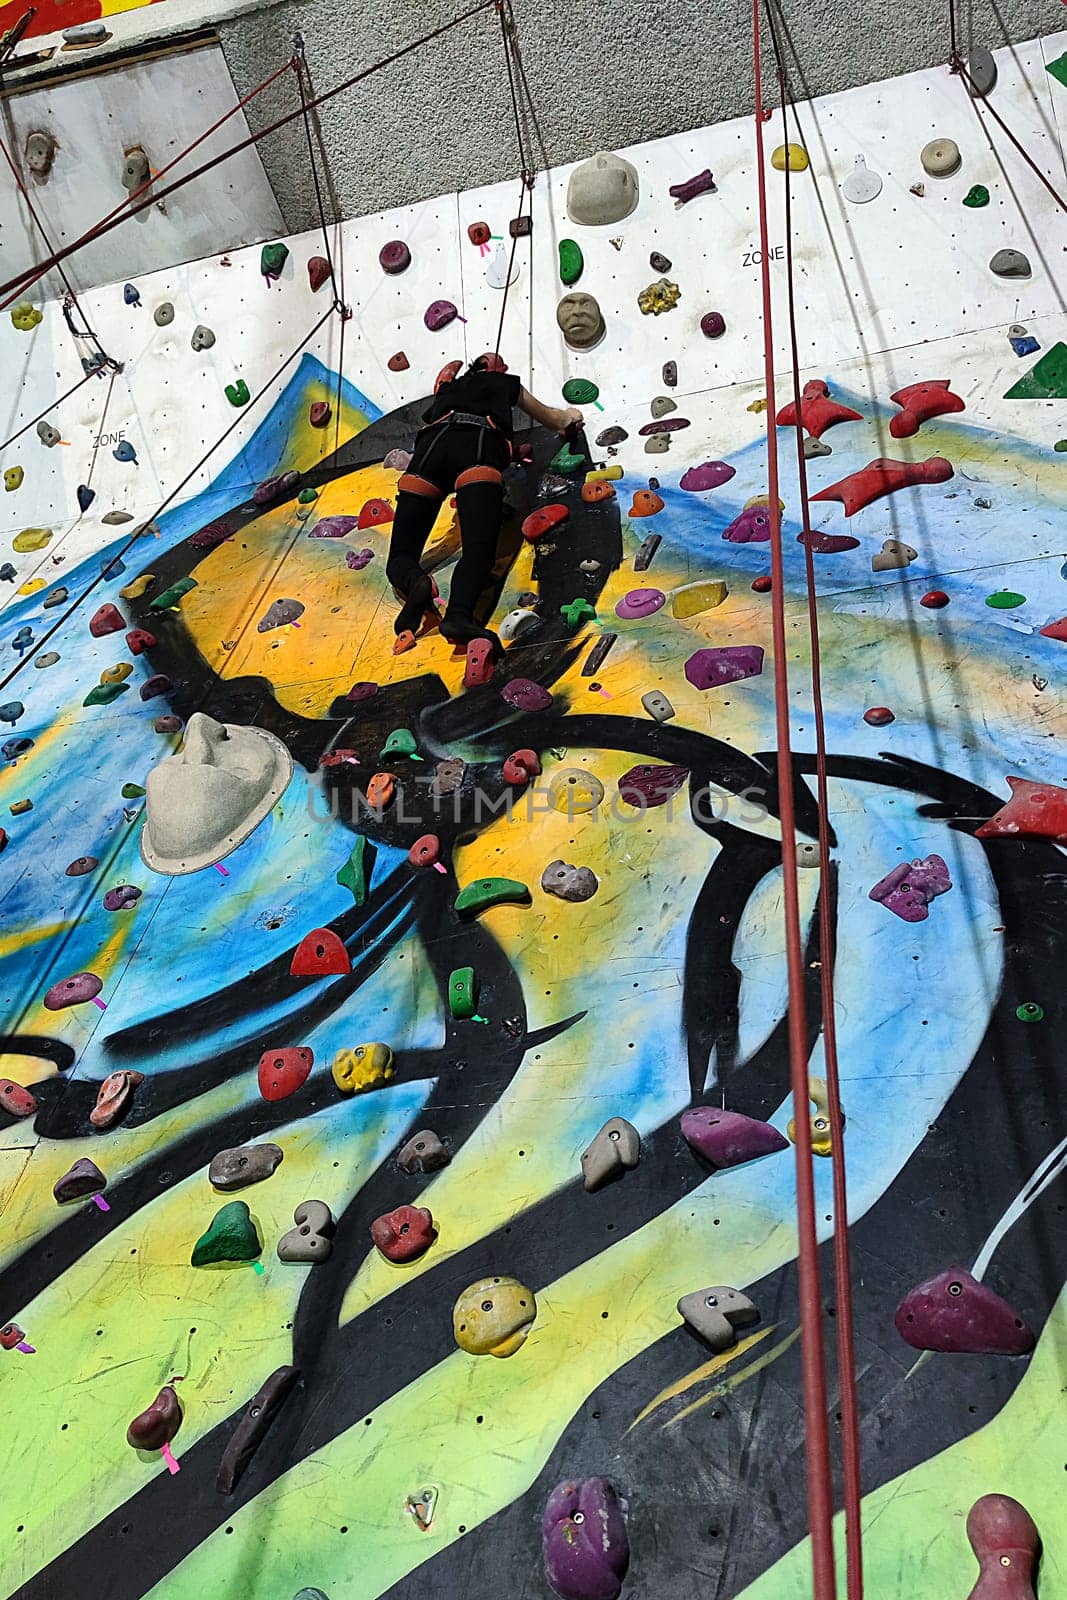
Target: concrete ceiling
[597, 75]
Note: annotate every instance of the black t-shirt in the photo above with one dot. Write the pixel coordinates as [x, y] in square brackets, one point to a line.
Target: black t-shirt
[484, 394]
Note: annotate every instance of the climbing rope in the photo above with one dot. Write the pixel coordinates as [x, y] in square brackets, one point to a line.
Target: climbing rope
[128, 210]
[507, 36]
[169, 501]
[99, 435]
[850, 1443]
[813, 1360]
[343, 311]
[53, 406]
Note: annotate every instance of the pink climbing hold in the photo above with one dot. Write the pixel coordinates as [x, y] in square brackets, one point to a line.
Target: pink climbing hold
[72, 991]
[884, 476]
[439, 314]
[817, 411]
[664, 425]
[335, 527]
[710, 669]
[751, 527]
[710, 475]
[956, 1315]
[640, 603]
[394, 257]
[908, 889]
[728, 1138]
[108, 619]
[921, 401]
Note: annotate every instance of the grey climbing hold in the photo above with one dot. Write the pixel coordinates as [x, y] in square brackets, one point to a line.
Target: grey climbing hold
[242, 1165]
[278, 614]
[861, 184]
[616, 1149]
[518, 622]
[86, 33]
[163, 315]
[1010, 264]
[807, 854]
[662, 405]
[941, 158]
[892, 555]
[47, 434]
[40, 153]
[252, 1428]
[568, 882]
[981, 72]
[657, 444]
[424, 1152]
[610, 436]
[670, 374]
[135, 169]
[447, 776]
[657, 705]
[580, 320]
[659, 263]
[312, 1238]
[49, 659]
[815, 447]
[79, 1182]
[202, 338]
[716, 1313]
[114, 518]
[58, 597]
[602, 190]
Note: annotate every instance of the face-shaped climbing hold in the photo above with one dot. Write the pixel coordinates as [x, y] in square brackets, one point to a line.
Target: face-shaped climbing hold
[156, 1426]
[614, 1150]
[363, 1067]
[493, 1317]
[79, 1182]
[728, 1138]
[574, 791]
[202, 337]
[716, 1313]
[236, 1168]
[602, 190]
[568, 882]
[320, 954]
[15, 1100]
[232, 1236]
[312, 1238]
[47, 434]
[646, 503]
[580, 320]
[404, 1234]
[955, 1314]
[584, 1540]
[941, 158]
[1006, 1544]
[237, 393]
[423, 1152]
[281, 1072]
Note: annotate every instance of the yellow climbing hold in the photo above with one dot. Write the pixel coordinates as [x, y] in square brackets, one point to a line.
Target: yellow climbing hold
[31, 586]
[13, 477]
[693, 598]
[26, 317]
[793, 157]
[573, 791]
[493, 1317]
[31, 539]
[116, 674]
[819, 1121]
[763, 500]
[757, 406]
[604, 474]
[134, 590]
[365, 1066]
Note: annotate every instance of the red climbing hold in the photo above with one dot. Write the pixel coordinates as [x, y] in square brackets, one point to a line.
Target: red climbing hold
[398, 363]
[521, 766]
[108, 619]
[426, 851]
[542, 521]
[318, 273]
[139, 639]
[884, 476]
[1006, 1543]
[281, 1072]
[921, 401]
[320, 954]
[15, 1100]
[936, 600]
[817, 411]
[1055, 630]
[879, 716]
[374, 514]
[449, 371]
[478, 233]
[319, 413]
[762, 584]
[1035, 811]
[827, 544]
[404, 1234]
[479, 667]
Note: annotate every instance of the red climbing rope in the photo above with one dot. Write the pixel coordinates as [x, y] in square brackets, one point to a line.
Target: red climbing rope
[128, 209]
[846, 1364]
[174, 493]
[813, 1361]
[977, 99]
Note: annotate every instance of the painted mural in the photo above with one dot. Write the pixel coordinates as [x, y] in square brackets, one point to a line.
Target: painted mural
[400, 1460]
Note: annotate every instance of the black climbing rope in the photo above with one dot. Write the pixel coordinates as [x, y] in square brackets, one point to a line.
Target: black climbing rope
[336, 283]
[507, 35]
[53, 406]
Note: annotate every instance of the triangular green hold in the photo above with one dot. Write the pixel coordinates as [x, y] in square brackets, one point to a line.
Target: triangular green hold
[401, 742]
[353, 874]
[232, 1236]
[1046, 380]
[1058, 68]
[566, 460]
[102, 694]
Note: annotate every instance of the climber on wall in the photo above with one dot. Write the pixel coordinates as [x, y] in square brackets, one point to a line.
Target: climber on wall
[464, 446]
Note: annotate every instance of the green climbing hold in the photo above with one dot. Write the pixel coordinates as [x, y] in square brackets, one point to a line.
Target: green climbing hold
[1047, 378]
[170, 597]
[1005, 600]
[102, 694]
[580, 392]
[480, 896]
[566, 460]
[272, 259]
[576, 611]
[1060, 446]
[463, 993]
[1029, 1011]
[232, 1236]
[401, 742]
[571, 261]
[353, 875]
[1058, 69]
[237, 393]
[132, 791]
[307, 497]
[976, 196]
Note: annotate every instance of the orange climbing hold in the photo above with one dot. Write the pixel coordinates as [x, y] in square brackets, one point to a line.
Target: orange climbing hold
[594, 494]
[320, 954]
[380, 790]
[646, 503]
[374, 514]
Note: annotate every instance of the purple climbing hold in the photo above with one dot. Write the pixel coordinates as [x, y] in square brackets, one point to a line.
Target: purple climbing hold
[439, 314]
[81, 866]
[703, 183]
[72, 991]
[168, 725]
[713, 324]
[272, 489]
[333, 527]
[908, 889]
[710, 669]
[394, 257]
[640, 603]
[664, 425]
[728, 1138]
[361, 691]
[751, 527]
[214, 534]
[956, 1315]
[584, 1540]
[525, 695]
[122, 897]
[157, 684]
[651, 785]
[711, 475]
[397, 461]
[358, 559]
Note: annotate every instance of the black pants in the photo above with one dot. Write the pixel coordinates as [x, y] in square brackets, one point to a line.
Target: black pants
[448, 457]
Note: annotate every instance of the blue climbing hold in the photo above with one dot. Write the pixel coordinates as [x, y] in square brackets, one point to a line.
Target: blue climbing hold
[86, 496]
[131, 295]
[22, 640]
[11, 711]
[11, 749]
[8, 573]
[124, 451]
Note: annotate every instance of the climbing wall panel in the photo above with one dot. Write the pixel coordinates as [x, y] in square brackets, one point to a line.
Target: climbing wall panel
[401, 1458]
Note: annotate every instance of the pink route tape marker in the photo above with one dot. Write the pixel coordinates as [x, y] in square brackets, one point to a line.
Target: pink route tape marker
[98, 1002]
[100, 1203]
[220, 868]
[27, 1349]
[437, 867]
[172, 1465]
